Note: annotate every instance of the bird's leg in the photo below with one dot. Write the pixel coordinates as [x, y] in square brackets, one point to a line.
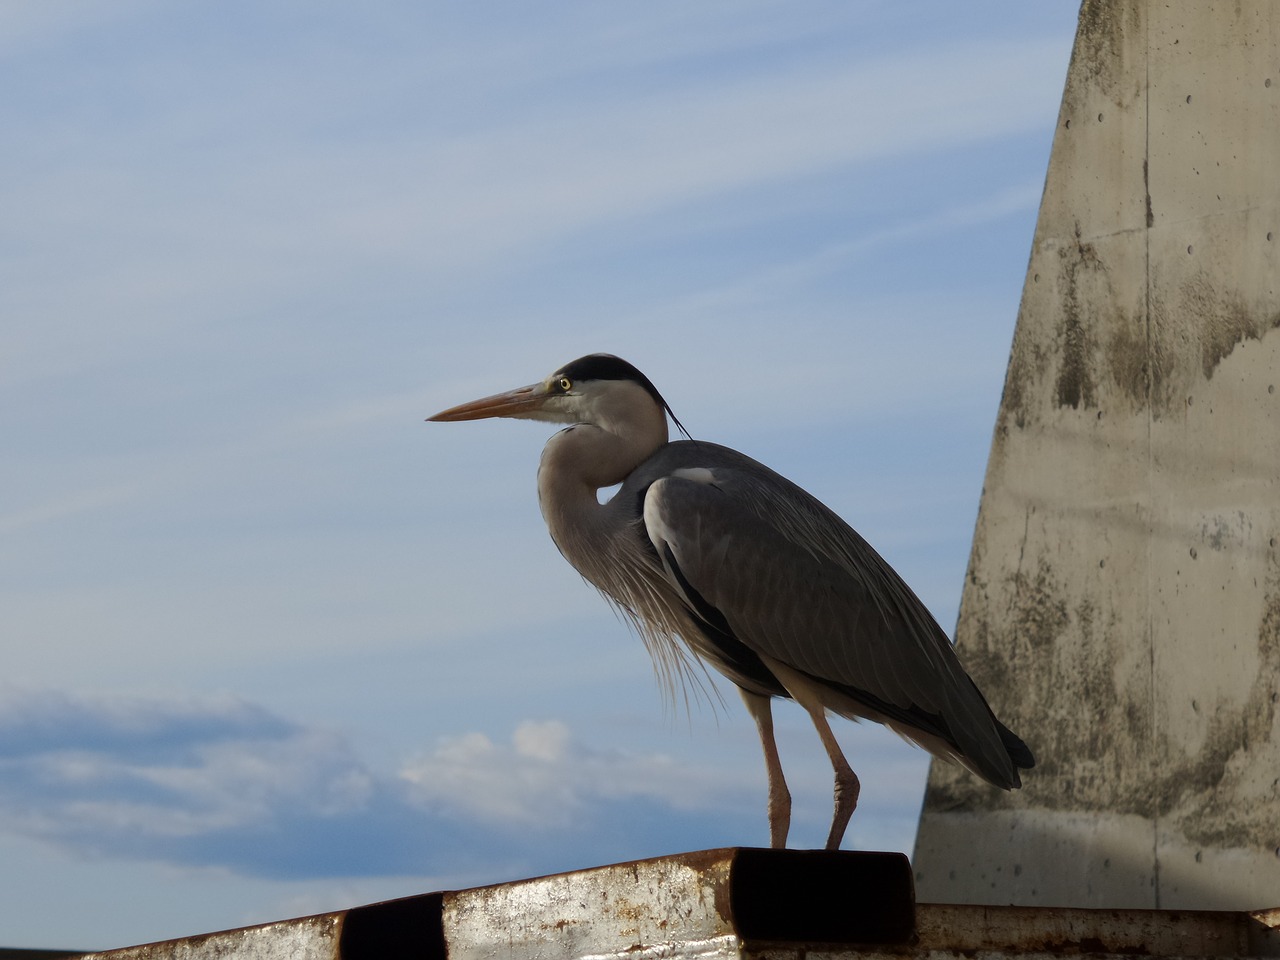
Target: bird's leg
[779, 796]
[808, 694]
[847, 786]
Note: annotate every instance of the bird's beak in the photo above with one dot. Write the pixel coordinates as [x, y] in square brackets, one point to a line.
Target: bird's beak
[521, 402]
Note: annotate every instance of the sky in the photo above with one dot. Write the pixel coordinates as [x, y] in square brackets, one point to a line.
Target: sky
[273, 645]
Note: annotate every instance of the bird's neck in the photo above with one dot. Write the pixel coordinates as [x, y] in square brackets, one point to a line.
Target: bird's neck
[576, 463]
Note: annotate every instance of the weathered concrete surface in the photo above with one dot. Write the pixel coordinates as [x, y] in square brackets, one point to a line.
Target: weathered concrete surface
[1122, 603]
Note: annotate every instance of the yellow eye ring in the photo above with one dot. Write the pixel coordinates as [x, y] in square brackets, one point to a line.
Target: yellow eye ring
[566, 384]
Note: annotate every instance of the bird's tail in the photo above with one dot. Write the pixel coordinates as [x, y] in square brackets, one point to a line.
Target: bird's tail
[1019, 752]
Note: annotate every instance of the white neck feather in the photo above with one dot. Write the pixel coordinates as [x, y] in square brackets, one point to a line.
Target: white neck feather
[619, 432]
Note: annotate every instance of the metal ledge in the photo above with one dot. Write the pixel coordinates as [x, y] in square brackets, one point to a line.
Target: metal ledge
[730, 903]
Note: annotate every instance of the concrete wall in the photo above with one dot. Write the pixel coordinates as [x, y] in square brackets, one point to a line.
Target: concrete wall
[1122, 603]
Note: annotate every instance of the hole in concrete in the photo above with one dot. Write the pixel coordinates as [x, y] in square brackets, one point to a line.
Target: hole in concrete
[1188, 98]
[1189, 248]
[1099, 118]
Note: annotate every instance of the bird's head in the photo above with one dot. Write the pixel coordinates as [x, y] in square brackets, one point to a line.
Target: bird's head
[599, 389]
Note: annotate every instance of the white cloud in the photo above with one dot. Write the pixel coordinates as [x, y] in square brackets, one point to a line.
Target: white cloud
[223, 782]
[109, 771]
[545, 777]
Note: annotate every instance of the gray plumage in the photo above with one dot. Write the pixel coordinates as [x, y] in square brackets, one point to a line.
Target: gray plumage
[714, 555]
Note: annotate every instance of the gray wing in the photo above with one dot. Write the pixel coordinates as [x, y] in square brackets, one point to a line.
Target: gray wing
[793, 582]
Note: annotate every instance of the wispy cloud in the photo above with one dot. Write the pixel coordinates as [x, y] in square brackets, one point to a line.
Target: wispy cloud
[222, 782]
[25, 24]
[446, 197]
[66, 505]
[151, 778]
[549, 173]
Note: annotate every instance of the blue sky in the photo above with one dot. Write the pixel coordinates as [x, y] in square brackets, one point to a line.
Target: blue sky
[274, 645]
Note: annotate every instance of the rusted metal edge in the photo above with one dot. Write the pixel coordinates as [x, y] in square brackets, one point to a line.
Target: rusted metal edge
[736, 900]
[305, 938]
[408, 927]
[782, 896]
[688, 902]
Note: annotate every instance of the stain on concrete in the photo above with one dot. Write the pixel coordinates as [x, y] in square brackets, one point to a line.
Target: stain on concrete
[1127, 358]
[1013, 399]
[1222, 320]
[1028, 367]
[1148, 360]
[1052, 646]
[1161, 360]
[1223, 531]
[1208, 809]
[1104, 32]
[1039, 614]
[1081, 269]
[1146, 189]
[1029, 642]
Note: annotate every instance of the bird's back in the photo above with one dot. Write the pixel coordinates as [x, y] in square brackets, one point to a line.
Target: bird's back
[746, 566]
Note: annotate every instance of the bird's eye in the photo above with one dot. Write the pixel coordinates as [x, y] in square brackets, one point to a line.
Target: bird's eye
[565, 384]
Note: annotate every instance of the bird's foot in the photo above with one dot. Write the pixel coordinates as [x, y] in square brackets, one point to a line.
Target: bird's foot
[846, 800]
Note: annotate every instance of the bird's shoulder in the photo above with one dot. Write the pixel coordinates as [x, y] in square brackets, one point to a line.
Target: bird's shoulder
[716, 503]
[698, 477]
[727, 469]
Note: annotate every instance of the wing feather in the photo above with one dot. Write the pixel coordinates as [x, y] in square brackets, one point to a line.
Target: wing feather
[795, 583]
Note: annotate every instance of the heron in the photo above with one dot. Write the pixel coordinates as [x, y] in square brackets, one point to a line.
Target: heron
[716, 559]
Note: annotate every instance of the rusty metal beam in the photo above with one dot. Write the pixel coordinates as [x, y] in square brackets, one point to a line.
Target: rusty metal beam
[711, 901]
[760, 904]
